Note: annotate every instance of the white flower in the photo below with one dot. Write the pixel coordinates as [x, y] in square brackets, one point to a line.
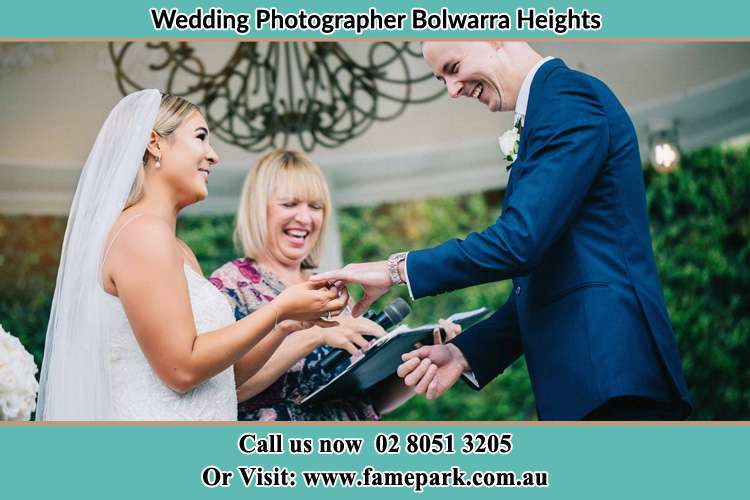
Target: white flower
[509, 141]
[18, 386]
[509, 144]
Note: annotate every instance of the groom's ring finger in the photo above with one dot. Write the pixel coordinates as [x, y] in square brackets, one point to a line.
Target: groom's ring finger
[342, 295]
[334, 310]
[335, 305]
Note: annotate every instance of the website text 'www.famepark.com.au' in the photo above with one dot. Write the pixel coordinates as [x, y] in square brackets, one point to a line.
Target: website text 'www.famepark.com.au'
[370, 477]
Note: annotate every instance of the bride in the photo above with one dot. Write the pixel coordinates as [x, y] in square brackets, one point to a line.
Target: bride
[136, 332]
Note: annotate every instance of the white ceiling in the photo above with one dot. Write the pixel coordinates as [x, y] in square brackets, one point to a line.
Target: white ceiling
[54, 97]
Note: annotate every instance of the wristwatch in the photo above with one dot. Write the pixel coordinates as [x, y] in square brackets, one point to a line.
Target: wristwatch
[393, 261]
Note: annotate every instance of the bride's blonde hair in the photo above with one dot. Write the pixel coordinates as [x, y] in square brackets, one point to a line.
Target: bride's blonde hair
[172, 111]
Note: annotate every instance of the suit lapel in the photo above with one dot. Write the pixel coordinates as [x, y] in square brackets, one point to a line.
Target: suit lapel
[522, 142]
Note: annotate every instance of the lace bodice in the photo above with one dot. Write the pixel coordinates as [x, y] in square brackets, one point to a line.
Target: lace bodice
[139, 394]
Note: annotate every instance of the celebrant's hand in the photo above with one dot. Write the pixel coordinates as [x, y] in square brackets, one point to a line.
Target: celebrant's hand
[432, 370]
[451, 331]
[373, 276]
[350, 334]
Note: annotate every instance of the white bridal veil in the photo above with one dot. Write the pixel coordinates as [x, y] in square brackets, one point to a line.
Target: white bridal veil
[75, 382]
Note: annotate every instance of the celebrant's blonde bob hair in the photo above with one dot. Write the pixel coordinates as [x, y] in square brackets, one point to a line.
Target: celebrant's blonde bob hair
[286, 173]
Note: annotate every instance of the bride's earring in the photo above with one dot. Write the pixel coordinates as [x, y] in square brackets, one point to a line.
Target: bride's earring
[158, 162]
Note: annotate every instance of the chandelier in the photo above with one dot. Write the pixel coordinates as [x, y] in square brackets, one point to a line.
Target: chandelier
[321, 93]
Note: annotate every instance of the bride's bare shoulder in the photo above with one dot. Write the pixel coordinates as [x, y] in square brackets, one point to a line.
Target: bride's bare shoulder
[141, 235]
[130, 225]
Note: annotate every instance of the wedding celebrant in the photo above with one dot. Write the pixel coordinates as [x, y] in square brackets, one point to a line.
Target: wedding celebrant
[284, 209]
[136, 332]
[586, 308]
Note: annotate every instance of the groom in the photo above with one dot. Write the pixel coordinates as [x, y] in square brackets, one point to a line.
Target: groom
[586, 308]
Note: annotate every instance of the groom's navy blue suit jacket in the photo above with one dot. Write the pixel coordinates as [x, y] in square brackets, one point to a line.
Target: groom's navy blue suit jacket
[586, 308]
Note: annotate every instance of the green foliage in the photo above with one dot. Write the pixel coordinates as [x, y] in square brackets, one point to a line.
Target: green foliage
[700, 221]
[210, 238]
[29, 256]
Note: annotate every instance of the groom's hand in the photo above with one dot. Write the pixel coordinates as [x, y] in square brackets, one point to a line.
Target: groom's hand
[373, 276]
[432, 370]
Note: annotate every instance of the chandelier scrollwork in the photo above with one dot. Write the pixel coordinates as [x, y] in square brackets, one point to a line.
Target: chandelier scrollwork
[321, 93]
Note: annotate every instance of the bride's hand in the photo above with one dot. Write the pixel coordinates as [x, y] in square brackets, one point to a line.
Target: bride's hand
[310, 301]
[289, 326]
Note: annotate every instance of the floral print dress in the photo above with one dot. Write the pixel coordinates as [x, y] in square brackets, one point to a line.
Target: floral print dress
[249, 286]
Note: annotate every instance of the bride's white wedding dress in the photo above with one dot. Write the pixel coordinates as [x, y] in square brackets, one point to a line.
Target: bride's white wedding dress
[139, 394]
[93, 368]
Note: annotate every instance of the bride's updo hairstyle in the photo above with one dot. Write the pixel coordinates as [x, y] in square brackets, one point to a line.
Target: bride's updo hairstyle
[172, 111]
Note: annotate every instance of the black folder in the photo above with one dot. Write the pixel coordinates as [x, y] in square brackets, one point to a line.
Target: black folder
[383, 357]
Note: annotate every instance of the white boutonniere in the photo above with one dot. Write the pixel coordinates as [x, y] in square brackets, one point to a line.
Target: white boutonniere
[509, 141]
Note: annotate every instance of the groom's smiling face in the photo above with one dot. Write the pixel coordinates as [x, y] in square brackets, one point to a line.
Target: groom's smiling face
[471, 69]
